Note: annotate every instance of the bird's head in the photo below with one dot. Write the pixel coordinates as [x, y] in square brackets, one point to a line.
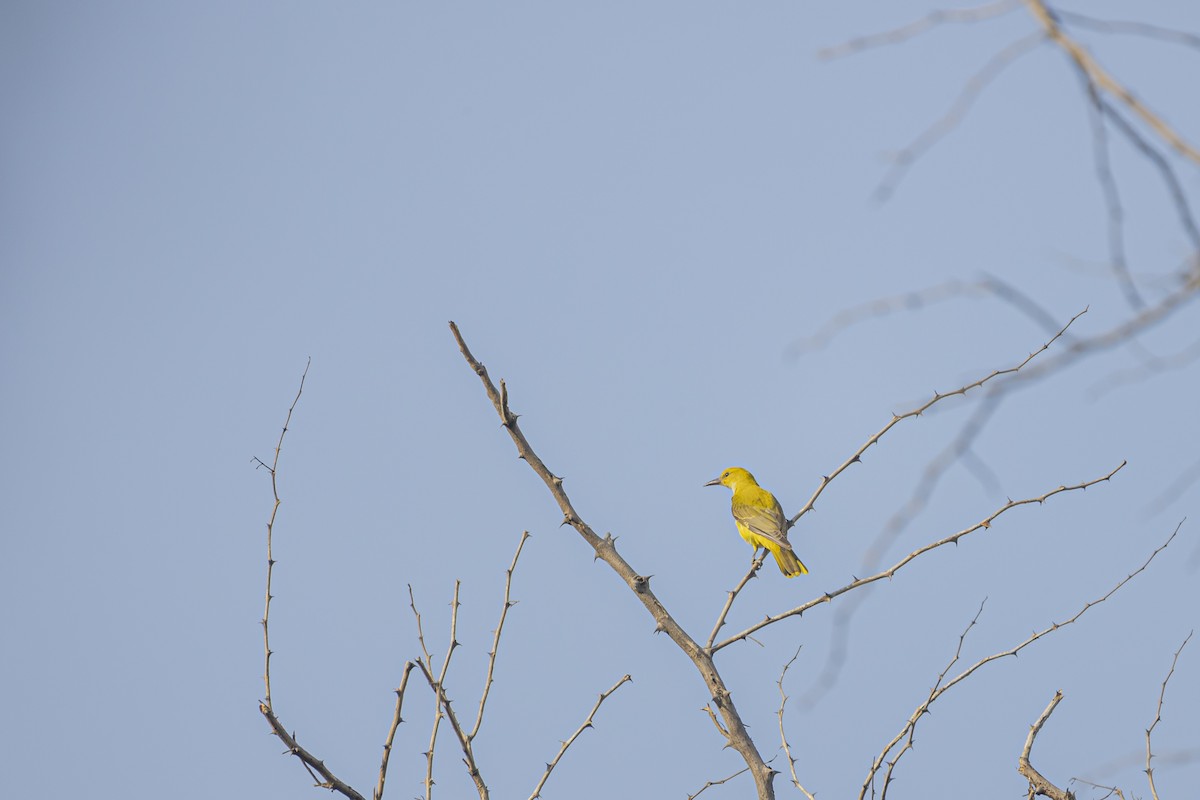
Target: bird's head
[733, 477]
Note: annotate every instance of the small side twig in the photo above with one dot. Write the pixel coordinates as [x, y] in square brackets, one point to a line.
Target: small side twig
[587, 723]
[1158, 716]
[708, 784]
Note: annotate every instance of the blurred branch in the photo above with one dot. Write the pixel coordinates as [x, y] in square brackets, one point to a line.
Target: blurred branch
[910, 154]
[587, 723]
[986, 286]
[1158, 717]
[1130, 28]
[605, 549]
[917, 27]
[1038, 785]
[891, 571]
[1111, 193]
[1106, 82]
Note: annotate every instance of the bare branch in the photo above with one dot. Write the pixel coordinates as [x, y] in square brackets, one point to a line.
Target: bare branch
[508, 603]
[1038, 785]
[391, 736]
[917, 27]
[1158, 716]
[587, 723]
[919, 410]
[892, 570]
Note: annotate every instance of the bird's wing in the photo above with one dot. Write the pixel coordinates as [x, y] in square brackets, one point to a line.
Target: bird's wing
[767, 522]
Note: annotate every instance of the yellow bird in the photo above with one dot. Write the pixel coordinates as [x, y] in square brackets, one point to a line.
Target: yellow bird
[759, 519]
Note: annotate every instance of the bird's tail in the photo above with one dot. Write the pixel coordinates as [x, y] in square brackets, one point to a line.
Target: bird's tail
[789, 565]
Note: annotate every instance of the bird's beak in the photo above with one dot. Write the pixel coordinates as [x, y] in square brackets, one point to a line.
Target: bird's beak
[714, 482]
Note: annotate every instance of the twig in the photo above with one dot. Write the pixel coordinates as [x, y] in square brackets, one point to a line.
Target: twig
[1110, 789]
[1111, 193]
[787, 750]
[508, 603]
[587, 723]
[391, 735]
[892, 570]
[273, 470]
[1158, 716]
[707, 784]
[1037, 783]
[918, 411]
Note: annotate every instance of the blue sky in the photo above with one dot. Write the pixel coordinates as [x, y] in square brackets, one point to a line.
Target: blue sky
[634, 212]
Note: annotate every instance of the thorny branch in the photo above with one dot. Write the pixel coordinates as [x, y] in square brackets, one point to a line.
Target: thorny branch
[587, 723]
[391, 735]
[314, 765]
[1158, 717]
